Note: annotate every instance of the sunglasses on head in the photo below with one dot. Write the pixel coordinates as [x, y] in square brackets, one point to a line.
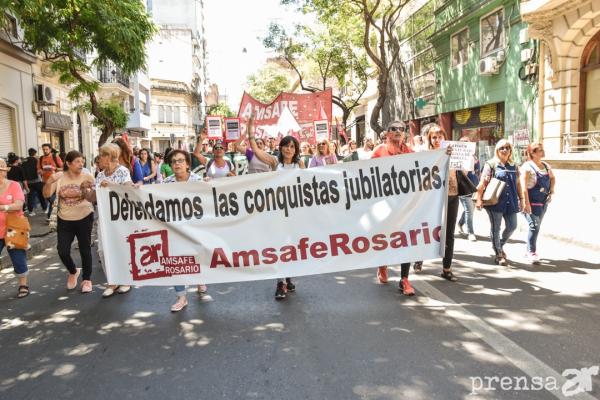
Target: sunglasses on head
[396, 129]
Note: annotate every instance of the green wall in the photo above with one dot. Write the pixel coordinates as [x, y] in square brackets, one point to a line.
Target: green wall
[462, 87]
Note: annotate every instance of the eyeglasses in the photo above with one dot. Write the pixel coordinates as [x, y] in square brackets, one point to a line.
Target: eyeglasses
[204, 144]
[218, 148]
[538, 149]
[396, 129]
[504, 148]
[177, 160]
[322, 144]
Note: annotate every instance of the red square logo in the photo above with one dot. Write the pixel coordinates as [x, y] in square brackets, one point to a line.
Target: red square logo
[147, 249]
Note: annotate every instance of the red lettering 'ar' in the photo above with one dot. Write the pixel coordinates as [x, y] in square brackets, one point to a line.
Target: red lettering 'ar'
[150, 254]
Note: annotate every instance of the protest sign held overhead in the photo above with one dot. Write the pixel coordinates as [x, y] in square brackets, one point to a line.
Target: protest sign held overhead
[463, 154]
[262, 226]
[305, 108]
[232, 129]
[214, 124]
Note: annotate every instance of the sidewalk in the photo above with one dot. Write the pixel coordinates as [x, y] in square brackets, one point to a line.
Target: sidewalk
[40, 238]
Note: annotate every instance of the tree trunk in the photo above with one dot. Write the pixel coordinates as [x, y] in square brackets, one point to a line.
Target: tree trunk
[376, 113]
[106, 132]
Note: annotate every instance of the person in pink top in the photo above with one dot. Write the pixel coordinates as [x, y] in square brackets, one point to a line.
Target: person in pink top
[11, 201]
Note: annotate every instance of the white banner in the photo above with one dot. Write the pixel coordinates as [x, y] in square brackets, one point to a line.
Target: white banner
[289, 223]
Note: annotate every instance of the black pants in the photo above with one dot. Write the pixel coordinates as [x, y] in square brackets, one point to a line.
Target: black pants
[451, 214]
[35, 190]
[67, 231]
[404, 270]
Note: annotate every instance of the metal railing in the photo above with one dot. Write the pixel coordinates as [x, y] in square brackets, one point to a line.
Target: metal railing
[577, 142]
[112, 74]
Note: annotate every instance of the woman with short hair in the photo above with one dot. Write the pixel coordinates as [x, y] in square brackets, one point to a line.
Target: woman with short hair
[75, 217]
[503, 168]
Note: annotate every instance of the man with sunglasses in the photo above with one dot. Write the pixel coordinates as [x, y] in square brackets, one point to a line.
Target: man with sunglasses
[394, 145]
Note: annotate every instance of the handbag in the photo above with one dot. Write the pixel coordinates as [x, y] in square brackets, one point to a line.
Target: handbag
[17, 231]
[492, 193]
[465, 186]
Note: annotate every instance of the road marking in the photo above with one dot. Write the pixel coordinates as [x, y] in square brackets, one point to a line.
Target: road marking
[508, 349]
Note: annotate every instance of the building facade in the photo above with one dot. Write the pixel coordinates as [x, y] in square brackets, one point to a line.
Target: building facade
[485, 83]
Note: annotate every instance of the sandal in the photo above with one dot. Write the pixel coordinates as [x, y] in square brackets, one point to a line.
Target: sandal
[23, 291]
[449, 276]
[179, 305]
[418, 266]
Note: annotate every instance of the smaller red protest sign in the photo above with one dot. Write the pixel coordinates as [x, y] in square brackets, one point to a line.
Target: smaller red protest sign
[214, 126]
[321, 129]
[232, 129]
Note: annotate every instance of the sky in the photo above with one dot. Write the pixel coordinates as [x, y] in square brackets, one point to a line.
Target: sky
[232, 26]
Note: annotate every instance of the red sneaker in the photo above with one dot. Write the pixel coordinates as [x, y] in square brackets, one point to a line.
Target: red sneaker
[406, 288]
[382, 274]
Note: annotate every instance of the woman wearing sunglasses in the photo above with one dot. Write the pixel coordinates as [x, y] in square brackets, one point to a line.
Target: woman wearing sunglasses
[324, 156]
[503, 168]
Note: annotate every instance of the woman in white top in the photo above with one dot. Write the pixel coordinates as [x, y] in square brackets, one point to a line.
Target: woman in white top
[288, 158]
[111, 172]
[537, 185]
[218, 166]
[180, 161]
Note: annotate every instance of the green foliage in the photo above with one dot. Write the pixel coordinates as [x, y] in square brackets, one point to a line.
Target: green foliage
[221, 109]
[266, 84]
[109, 111]
[61, 31]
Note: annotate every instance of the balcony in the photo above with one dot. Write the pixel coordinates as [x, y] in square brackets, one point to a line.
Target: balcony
[579, 142]
[112, 74]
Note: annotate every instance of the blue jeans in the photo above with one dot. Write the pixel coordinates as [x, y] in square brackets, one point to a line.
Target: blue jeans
[179, 290]
[510, 224]
[534, 222]
[467, 214]
[18, 258]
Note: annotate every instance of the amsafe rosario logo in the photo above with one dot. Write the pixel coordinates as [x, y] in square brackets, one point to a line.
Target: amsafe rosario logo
[150, 257]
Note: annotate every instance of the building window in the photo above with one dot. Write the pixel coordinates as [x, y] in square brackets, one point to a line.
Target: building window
[161, 114]
[459, 47]
[169, 118]
[177, 116]
[492, 32]
[10, 24]
[589, 117]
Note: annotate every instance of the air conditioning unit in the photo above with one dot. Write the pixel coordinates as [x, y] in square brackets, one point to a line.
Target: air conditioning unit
[488, 66]
[526, 54]
[44, 94]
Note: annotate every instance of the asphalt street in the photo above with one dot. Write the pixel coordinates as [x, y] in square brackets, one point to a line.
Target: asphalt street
[340, 336]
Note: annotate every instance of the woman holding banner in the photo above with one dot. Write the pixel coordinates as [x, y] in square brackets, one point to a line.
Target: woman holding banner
[111, 172]
[288, 158]
[180, 161]
[435, 137]
[393, 146]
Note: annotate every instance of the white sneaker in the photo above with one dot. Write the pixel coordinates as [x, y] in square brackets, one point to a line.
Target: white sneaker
[472, 237]
[32, 214]
[533, 258]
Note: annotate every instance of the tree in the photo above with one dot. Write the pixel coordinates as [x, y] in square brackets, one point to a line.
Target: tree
[266, 84]
[221, 109]
[60, 31]
[379, 36]
[328, 55]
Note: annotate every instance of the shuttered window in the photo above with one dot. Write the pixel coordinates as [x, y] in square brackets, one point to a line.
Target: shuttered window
[7, 130]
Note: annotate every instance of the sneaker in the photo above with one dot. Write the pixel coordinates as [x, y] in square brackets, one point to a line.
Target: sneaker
[461, 230]
[202, 289]
[418, 266]
[382, 274]
[72, 279]
[32, 214]
[289, 285]
[280, 293]
[406, 288]
[180, 304]
[86, 286]
[472, 237]
[533, 258]
[109, 291]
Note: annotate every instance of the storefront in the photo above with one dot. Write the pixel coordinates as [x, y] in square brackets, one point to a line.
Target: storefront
[54, 126]
[8, 133]
[483, 125]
